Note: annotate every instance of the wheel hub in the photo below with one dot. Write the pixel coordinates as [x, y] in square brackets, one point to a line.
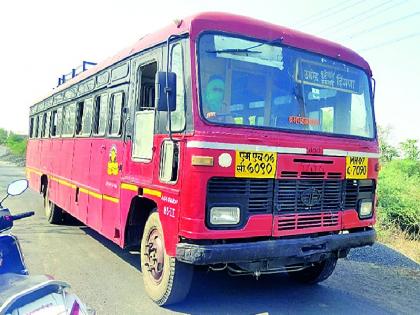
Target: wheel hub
[154, 255]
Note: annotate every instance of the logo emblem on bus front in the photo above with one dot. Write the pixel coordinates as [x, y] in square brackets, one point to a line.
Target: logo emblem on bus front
[310, 197]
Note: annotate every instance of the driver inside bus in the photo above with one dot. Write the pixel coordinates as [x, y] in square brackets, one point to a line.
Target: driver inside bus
[213, 98]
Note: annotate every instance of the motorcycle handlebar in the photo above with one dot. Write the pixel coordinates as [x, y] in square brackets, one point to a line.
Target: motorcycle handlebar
[22, 215]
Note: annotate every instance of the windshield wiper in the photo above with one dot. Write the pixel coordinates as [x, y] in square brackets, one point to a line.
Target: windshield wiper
[238, 50]
[234, 50]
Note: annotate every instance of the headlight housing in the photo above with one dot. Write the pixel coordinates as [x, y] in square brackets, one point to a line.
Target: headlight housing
[225, 215]
[365, 208]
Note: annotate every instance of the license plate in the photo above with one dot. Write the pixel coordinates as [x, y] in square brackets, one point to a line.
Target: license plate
[253, 164]
[356, 167]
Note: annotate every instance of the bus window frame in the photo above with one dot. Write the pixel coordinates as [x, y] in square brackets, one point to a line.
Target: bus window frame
[95, 98]
[206, 121]
[112, 93]
[59, 111]
[74, 124]
[47, 131]
[81, 134]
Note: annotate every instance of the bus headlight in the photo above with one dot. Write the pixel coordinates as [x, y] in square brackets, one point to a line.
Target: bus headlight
[365, 208]
[224, 215]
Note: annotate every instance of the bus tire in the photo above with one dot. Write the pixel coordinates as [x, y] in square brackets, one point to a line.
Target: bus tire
[166, 280]
[53, 213]
[319, 272]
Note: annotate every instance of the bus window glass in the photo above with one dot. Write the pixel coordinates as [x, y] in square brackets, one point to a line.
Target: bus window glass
[116, 113]
[36, 127]
[100, 114]
[147, 75]
[59, 121]
[263, 85]
[42, 127]
[69, 118]
[31, 127]
[79, 117]
[177, 66]
[56, 122]
[47, 125]
[87, 117]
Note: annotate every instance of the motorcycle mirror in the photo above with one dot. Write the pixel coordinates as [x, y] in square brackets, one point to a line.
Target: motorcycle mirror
[17, 187]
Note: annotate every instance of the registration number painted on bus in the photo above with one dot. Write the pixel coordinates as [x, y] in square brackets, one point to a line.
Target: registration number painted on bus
[356, 167]
[253, 164]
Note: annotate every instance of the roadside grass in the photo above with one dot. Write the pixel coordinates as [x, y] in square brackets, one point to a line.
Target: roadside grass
[399, 206]
[399, 240]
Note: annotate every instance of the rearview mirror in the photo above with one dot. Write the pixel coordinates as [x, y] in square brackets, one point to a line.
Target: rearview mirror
[17, 187]
[161, 91]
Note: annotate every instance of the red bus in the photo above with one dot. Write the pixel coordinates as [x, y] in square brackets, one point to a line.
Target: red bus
[220, 141]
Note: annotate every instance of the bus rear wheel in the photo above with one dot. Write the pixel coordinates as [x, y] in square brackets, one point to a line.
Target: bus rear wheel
[319, 272]
[53, 213]
[166, 280]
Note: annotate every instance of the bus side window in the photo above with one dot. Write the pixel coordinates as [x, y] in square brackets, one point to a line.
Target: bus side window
[87, 117]
[56, 122]
[47, 125]
[31, 127]
[42, 127]
[117, 102]
[177, 66]
[100, 114]
[69, 118]
[36, 127]
[146, 92]
[79, 116]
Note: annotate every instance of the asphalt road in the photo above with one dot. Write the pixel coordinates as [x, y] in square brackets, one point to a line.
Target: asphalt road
[374, 280]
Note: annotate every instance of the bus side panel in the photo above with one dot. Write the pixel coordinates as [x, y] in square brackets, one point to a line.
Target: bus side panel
[97, 166]
[67, 190]
[80, 176]
[45, 156]
[113, 157]
[31, 162]
[170, 205]
[36, 154]
[53, 184]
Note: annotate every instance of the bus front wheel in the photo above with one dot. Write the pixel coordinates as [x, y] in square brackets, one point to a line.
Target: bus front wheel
[318, 272]
[166, 280]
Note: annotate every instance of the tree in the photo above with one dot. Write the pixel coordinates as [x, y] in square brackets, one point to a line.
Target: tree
[388, 152]
[410, 149]
[3, 136]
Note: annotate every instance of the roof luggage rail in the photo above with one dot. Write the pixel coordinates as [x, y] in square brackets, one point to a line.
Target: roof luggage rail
[75, 71]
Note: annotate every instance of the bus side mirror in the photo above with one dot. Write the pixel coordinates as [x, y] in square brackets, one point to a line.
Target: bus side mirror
[161, 91]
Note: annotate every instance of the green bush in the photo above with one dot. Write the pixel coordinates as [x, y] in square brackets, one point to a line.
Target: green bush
[16, 144]
[399, 195]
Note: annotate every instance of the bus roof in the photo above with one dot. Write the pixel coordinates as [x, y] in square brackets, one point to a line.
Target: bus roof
[231, 23]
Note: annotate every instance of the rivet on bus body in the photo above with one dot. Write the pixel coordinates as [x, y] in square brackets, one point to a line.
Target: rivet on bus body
[225, 160]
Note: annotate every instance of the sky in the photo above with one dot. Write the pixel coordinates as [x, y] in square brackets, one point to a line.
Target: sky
[40, 40]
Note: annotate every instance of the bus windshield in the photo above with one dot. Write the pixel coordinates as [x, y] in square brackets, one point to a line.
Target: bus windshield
[266, 85]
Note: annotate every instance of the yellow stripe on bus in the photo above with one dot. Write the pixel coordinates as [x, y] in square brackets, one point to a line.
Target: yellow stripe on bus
[30, 169]
[129, 187]
[152, 192]
[109, 198]
[81, 189]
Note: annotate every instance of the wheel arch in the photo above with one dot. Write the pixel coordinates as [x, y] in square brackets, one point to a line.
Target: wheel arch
[43, 185]
[139, 211]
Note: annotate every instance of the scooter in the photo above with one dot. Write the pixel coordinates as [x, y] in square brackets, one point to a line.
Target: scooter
[21, 293]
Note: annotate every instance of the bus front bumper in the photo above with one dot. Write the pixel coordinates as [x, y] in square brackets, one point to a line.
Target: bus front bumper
[284, 251]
